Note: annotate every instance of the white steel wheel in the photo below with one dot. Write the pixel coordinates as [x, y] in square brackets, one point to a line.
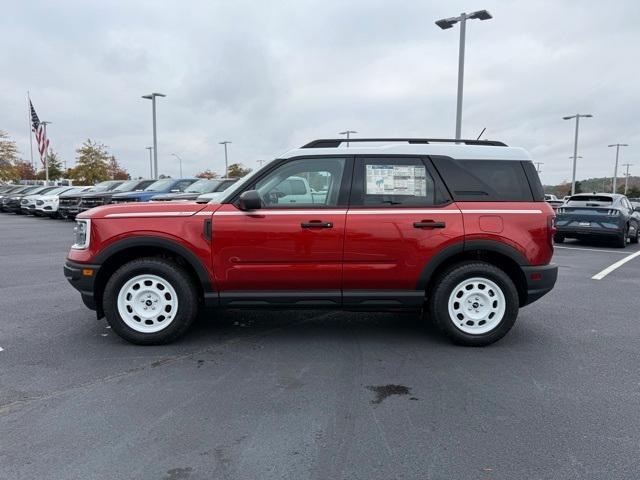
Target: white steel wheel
[147, 303]
[476, 305]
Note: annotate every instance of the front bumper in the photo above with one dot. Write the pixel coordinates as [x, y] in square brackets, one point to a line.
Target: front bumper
[77, 274]
[540, 281]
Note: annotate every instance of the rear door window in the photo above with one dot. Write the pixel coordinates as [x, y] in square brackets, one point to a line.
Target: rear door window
[485, 180]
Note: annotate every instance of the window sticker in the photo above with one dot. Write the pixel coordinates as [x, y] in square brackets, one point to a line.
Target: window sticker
[396, 180]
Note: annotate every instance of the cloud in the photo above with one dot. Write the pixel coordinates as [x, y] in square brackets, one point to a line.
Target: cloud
[273, 75]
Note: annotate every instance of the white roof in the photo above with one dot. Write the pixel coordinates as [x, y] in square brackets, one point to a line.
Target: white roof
[457, 151]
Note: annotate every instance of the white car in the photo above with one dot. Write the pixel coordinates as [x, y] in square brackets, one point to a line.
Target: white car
[47, 204]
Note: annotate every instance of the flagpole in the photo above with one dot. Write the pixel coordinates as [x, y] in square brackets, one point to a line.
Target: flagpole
[30, 129]
[46, 151]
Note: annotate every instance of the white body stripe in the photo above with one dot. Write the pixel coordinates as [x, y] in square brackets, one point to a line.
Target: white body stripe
[380, 211]
[501, 211]
[149, 214]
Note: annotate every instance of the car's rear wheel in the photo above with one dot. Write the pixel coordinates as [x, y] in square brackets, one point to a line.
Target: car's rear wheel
[474, 303]
[621, 240]
[557, 238]
[635, 238]
[150, 301]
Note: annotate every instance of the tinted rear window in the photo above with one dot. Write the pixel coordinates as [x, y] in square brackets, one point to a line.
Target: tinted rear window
[590, 201]
[485, 180]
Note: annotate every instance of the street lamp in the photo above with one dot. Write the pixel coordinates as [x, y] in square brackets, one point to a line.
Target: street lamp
[575, 147]
[626, 180]
[150, 161]
[347, 133]
[538, 167]
[180, 159]
[615, 170]
[152, 97]
[226, 158]
[445, 24]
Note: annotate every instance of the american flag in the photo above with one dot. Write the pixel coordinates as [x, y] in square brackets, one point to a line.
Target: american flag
[41, 136]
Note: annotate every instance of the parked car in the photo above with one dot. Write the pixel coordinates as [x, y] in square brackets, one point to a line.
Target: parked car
[461, 230]
[196, 189]
[598, 215]
[47, 204]
[28, 202]
[11, 202]
[165, 185]
[95, 199]
[9, 189]
[69, 204]
[553, 200]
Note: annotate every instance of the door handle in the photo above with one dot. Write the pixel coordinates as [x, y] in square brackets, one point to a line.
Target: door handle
[429, 224]
[316, 224]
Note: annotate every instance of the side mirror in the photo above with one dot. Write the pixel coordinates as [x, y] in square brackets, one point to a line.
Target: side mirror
[636, 209]
[250, 200]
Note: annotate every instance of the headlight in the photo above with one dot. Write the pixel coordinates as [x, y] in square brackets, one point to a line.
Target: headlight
[82, 234]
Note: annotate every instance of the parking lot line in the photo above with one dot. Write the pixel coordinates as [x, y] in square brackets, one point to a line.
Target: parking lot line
[591, 249]
[611, 268]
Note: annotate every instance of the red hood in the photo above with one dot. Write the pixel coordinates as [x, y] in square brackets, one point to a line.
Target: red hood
[147, 209]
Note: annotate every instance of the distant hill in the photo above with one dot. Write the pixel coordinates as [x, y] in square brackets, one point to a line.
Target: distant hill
[596, 185]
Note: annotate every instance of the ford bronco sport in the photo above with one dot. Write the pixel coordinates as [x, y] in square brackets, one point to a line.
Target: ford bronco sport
[459, 230]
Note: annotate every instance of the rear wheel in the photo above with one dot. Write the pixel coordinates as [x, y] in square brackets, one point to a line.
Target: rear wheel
[150, 301]
[621, 240]
[474, 303]
[557, 238]
[636, 235]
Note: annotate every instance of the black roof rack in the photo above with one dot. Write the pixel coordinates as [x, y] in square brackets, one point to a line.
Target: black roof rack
[336, 142]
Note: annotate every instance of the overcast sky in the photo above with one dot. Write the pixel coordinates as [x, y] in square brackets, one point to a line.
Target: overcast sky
[272, 75]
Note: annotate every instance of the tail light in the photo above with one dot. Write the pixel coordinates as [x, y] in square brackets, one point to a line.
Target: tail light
[560, 210]
[613, 213]
[551, 229]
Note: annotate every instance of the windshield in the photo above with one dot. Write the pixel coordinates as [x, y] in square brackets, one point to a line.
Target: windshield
[159, 185]
[202, 186]
[101, 187]
[127, 186]
[57, 190]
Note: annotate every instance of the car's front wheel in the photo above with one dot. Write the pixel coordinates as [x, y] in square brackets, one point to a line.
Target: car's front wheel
[474, 303]
[150, 301]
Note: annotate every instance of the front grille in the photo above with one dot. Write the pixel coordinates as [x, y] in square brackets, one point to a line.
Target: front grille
[39, 202]
[92, 202]
[69, 202]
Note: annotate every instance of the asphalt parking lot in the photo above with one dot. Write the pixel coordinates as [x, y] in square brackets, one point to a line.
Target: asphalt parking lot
[317, 395]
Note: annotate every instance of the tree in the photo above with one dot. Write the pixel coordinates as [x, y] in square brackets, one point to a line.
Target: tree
[578, 186]
[237, 170]
[116, 172]
[92, 163]
[8, 156]
[24, 170]
[208, 174]
[55, 168]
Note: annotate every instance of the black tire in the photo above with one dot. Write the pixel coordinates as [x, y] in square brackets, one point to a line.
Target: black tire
[621, 240]
[171, 273]
[636, 237]
[438, 302]
[557, 238]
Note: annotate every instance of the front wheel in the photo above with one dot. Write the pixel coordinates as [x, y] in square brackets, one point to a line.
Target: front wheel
[474, 303]
[635, 238]
[150, 301]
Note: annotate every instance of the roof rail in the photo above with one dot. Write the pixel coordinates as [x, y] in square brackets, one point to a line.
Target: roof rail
[336, 142]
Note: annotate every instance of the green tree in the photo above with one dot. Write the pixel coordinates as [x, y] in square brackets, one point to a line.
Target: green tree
[8, 156]
[55, 167]
[92, 163]
[116, 172]
[578, 186]
[209, 174]
[237, 170]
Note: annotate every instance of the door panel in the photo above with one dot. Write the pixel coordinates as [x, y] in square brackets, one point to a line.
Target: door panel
[269, 249]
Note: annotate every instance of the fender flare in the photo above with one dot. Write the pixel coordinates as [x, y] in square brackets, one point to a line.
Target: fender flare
[465, 246]
[152, 241]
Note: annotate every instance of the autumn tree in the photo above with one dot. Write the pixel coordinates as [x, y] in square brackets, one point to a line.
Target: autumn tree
[92, 163]
[24, 170]
[237, 170]
[208, 174]
[116, 172]
[55, 167]
[8, 156]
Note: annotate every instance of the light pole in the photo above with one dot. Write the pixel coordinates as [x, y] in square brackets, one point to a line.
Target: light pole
[575, 147]
[538, 167]
[150, 161]
[615, 170]
[446, 23]
[626, 179]
[180, 159]
[347, 133]
[152, 97]
[226, 158]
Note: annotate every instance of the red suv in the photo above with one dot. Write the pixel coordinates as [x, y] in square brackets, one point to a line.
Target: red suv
[458, 229]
